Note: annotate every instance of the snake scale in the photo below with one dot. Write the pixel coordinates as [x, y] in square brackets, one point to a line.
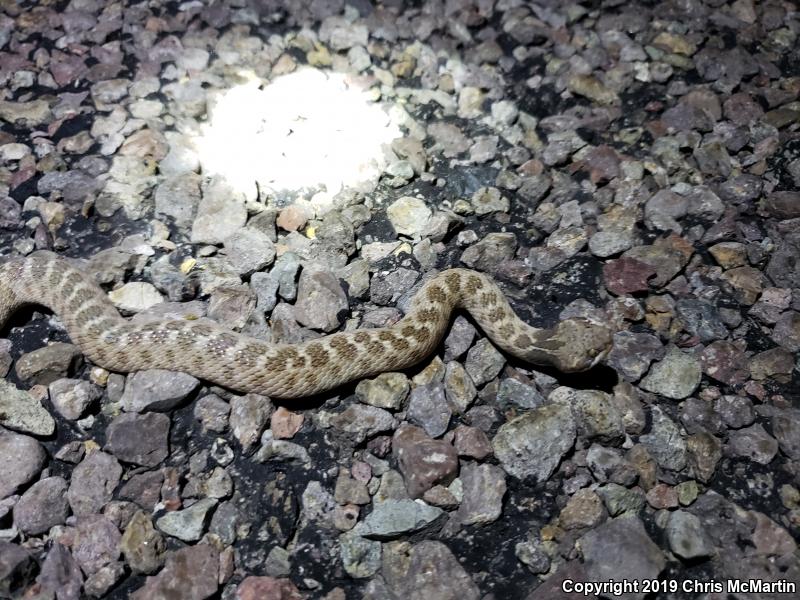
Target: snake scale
[246, 364]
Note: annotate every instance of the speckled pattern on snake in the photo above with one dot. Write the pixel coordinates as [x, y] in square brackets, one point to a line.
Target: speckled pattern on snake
[247, 364]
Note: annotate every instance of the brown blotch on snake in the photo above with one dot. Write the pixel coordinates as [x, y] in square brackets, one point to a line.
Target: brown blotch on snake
[246, 364]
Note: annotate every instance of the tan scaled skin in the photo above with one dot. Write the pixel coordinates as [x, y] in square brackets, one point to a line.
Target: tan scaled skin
[247, 364]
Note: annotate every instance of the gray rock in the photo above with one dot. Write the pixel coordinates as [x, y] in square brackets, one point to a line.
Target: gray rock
[531, 554]
[26, 114]
[603, 462]
[249, 250]
[394, 518]
[703, 202]
[676, 376]
[753, 443]
[448, 138]
[93, 482]
[178, 197]
[493, 249]
[278, 563]
[736, 411]
[425, 571]
[23, 459]
[143, 488]
[701, 319]
[102, 580]
[47, 364]
[700, 415]
[786, 429]
[487, 200]
[484, 362]
[212, 412]
[187, 524]
[139, 439]
[157, 389]
[609, 243]
[664, 442]
[349, 490]
[686, 536]
[17, 568]
[362, 421]
[459, 389]
[484, 487]
[42, 506]
[361, 557]
[533, 444]
[787, 331]
[387, 390]
[632, 353]
[597, 417]
[285, 272]
[321, 301]
[281, 450]
[71, 397]
[621, 549]
[619, 499]
[387, 287]
[96, 543]
[428, 408]
[458, 339]
[626, 399]
[409, 216]
[232, 306]
[483, 150]
[248, 417]
[783, 267]
[265, 285]
[220, 214]
[512, 392]
[22, 412]
[60, 576]
[664, 209]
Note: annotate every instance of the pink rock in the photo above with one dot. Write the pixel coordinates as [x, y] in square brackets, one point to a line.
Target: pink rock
[285, 424]
[263, 588]
[627, 275]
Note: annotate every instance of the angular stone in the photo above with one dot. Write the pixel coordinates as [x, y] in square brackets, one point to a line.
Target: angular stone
[23, 459]
[426, 570]
[533, 444]
[139, 439]
[393, 518]
[676, 376]
[190, 573]
[621, 549]
[42, 506]
[157, 389]
[93, 482]
[484, 487]
[423, 461]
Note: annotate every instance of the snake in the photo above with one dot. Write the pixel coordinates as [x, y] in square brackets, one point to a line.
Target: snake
[246, 364]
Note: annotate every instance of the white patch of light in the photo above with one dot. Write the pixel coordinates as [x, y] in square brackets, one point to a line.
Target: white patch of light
[309, 129]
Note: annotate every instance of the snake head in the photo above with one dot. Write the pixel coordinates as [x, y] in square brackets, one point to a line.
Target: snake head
[575, 344]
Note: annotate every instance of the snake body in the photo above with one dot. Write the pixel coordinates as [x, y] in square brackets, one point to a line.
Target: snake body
[246, 364]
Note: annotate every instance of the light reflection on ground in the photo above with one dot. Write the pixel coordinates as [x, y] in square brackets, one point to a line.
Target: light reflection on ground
[306, 130]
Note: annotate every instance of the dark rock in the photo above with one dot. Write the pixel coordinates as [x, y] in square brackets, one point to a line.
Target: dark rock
[139, 439]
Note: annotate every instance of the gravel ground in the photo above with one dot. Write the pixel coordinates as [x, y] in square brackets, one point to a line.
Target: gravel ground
[636, 162]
